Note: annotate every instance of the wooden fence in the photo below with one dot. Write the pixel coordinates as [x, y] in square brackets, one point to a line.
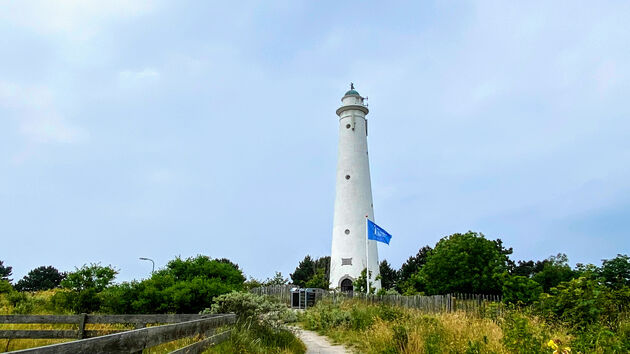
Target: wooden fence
[436, 303]
[120, 341]
[281, 292]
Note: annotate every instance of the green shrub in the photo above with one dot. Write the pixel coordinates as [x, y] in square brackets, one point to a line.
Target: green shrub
[583, 302]
[362, 317]
[248, 306]
[184, 286]
[259, 326]
[82, 301]
[325, 315]
[400, 337]
[5, 286]
[600, 338]
[389, 313]
[520, 290]
[520, 336]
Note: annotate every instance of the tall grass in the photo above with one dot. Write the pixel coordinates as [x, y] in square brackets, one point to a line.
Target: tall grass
[369, 328]
[252, 338]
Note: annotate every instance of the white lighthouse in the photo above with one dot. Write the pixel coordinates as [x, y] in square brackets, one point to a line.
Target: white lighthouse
[353, 199]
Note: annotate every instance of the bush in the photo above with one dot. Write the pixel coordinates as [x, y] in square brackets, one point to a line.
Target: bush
[5, 286]
[248, 306]
[259, 324]
[583, 302]
[465, 263]
[184, 286]
[520, 290]
[325, 315]
[520, 336]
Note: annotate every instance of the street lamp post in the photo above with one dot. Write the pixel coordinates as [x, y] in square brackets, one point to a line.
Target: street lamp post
[152, 263]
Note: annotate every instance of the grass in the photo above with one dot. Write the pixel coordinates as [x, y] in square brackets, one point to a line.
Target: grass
[253, 338]
[370, 328]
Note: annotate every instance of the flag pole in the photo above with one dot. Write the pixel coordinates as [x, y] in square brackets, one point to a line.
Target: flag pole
[367, 258]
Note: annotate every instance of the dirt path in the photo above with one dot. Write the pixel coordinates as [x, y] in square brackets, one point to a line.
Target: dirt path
[318, 344]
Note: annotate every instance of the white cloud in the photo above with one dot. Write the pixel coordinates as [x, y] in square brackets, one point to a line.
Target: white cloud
[38, 118]
[75, 19]
[129, 77]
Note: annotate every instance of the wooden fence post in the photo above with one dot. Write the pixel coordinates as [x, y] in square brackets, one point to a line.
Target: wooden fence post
[81, 331]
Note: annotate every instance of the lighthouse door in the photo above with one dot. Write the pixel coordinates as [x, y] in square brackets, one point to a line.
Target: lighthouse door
[346, 285]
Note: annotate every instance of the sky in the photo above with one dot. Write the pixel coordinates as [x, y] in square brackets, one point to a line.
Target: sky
[161, 129]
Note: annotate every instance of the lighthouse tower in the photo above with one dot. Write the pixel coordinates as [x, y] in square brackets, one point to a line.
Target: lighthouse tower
[353, 199]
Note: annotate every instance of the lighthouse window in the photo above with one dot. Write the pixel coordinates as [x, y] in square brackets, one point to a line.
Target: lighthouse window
[346, 261]
[347, 176]
[347, 232]
[348, 126]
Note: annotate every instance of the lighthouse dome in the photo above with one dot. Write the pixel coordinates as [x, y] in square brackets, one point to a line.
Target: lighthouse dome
[352, 92]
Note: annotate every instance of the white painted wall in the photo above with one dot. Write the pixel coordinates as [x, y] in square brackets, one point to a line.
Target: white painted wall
[353, 198]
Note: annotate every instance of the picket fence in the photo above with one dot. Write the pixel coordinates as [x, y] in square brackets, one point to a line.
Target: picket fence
[470, 303]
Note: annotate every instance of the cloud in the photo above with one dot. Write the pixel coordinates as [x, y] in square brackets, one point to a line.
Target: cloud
[75, 19]
[131, 78]
[38, 118]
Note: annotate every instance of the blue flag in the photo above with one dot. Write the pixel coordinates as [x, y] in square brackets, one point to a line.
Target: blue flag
[376, 233]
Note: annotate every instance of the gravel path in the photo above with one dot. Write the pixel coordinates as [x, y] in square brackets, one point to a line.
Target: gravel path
[318, 344]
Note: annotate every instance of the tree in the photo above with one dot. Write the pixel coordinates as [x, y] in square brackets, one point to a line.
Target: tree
[616, 272]
[304, 271]
[406, 282]
[555, 270]
[5, 272]
[308, 268]
[227, 261]
[84, 287]
[389, 277]
[40, 278]
[5, 287]
[467, 263]
[520, 290]
[319, 280]
[524, 269]
[360, 284]
[252, 283]
[414, 263]
[94, 277]
[277, 279]
[183, 286]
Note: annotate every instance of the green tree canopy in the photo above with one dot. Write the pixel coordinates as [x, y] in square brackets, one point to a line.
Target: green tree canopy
[319, 280]
[184, 286]
[389, 276]
[93, 276]
[5, 272]
[308, 268]
[40, 278]
[555, 270]
[616, 272]
[520, 290]
[408, 282]
[466, 263]
[360, 283]
[277, 279]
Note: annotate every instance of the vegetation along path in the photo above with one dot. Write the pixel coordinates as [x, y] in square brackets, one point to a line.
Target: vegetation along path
[318, 344]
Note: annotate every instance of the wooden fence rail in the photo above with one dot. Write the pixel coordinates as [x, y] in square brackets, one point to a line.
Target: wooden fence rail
[80, 322]
[139, 339]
